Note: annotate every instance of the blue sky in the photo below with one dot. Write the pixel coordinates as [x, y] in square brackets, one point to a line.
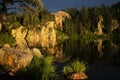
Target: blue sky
[55, 5]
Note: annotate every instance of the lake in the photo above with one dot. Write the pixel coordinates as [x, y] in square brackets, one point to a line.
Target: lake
[102, 57]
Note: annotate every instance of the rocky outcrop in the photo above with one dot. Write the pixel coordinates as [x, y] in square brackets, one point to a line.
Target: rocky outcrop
[46, 36]
[114, 24]
[60, 17]
[15, 58]
[19, 34]
[100, 25]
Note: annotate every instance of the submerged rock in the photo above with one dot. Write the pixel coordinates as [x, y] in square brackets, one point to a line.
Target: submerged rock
[14, 59]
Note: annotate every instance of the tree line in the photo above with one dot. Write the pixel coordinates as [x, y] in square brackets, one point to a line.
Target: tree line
[82, 19]
[87, 18]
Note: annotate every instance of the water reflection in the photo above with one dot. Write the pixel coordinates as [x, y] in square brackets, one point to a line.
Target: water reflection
[102, 56]
[96, 52]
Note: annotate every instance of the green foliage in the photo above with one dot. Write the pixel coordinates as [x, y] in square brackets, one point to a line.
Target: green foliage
[87, 18]
[16, 25]
[89, 36]
[73, 67]
[30, 20]
[74, 37]
[45, 15]
[13, 19]
[42, 68]
[26, 18]
[60, 36]
[6, 38]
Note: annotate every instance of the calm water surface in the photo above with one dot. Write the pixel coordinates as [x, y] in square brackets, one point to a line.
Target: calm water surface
[101, 56]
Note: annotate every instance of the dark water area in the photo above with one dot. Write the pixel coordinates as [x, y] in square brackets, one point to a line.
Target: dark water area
[102, 57]
[103, 73]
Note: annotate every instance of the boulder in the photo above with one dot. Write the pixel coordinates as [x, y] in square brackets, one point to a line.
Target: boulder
[36, 52]
[14, 59]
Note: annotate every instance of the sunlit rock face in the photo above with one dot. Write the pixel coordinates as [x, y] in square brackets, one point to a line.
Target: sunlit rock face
[114, 24]
[60, 17]
[15, 58]
[48, 35]
[19, 34]
[32, 37]
[100, 25]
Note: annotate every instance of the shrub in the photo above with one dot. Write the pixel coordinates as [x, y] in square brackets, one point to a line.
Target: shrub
[74, 67]
[42, 68]
[6, 38]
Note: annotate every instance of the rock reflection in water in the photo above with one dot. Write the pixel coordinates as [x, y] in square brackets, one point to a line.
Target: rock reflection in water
[100, 46]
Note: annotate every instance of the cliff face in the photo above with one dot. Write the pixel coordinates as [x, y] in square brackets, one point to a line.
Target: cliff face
[100, 25]
[45, 37]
